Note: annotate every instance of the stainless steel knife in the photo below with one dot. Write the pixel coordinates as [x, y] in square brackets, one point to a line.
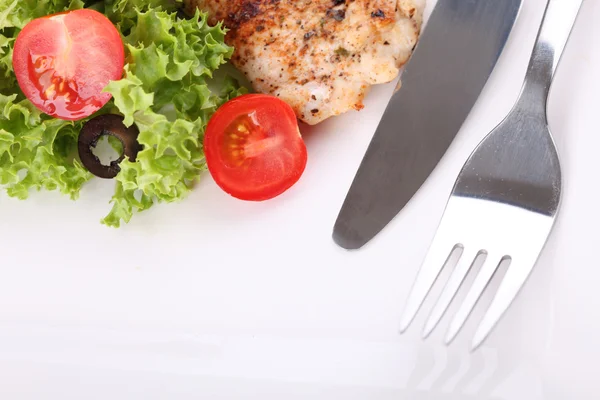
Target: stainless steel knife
[451, 64]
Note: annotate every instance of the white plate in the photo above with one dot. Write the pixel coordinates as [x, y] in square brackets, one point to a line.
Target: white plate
[214, 298]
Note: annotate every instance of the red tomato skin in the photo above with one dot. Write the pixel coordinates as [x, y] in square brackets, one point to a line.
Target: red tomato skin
[256, 186]
[89, 51]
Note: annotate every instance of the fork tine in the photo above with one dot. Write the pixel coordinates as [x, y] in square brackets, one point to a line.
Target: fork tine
[437, 256]
[463, 267]
[489, 267]
[511, 284]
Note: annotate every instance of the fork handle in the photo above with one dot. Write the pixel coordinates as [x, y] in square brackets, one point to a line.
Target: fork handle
[559, 18]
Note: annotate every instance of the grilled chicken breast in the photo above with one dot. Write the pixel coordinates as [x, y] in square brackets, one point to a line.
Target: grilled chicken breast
[319, 56]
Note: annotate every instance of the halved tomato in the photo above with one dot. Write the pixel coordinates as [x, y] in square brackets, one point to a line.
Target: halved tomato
[253, 147]
[64, 61]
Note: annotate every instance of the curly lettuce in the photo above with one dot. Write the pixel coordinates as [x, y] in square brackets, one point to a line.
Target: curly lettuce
[165, 92]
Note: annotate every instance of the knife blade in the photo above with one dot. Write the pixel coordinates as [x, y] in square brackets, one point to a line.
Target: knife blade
[449, 68]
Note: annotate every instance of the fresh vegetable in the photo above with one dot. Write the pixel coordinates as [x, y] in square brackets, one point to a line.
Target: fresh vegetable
[107, 125]
[64, 61]
[164, 92]
[253, 147]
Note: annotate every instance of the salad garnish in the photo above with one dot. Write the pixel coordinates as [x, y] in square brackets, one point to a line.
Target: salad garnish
[165, 89]
[64, 61]
[253, 147]
[110, 125]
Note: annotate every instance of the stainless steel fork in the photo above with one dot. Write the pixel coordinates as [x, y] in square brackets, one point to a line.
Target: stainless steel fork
[505, 199]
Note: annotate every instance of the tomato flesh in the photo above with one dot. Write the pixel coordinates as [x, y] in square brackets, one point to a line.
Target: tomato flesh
[64, 61]
[253, 147]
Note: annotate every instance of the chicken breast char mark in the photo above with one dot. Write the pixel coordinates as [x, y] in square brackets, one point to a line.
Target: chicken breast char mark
[319, 56]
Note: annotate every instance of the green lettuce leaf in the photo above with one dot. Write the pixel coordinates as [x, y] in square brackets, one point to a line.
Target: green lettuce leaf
[37, 151]
[167, 92]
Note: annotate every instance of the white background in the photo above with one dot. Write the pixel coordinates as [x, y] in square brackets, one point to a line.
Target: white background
[214, 298]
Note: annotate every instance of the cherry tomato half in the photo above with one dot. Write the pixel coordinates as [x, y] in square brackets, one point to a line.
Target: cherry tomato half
[64, 61]
[253, 147]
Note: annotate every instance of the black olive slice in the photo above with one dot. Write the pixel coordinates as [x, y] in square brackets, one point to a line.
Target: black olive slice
[96, 128]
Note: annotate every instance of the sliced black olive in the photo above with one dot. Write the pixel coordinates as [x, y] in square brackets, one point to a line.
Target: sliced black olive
[107, 125]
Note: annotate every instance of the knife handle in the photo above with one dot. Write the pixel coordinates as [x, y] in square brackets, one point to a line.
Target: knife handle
[557, 24]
